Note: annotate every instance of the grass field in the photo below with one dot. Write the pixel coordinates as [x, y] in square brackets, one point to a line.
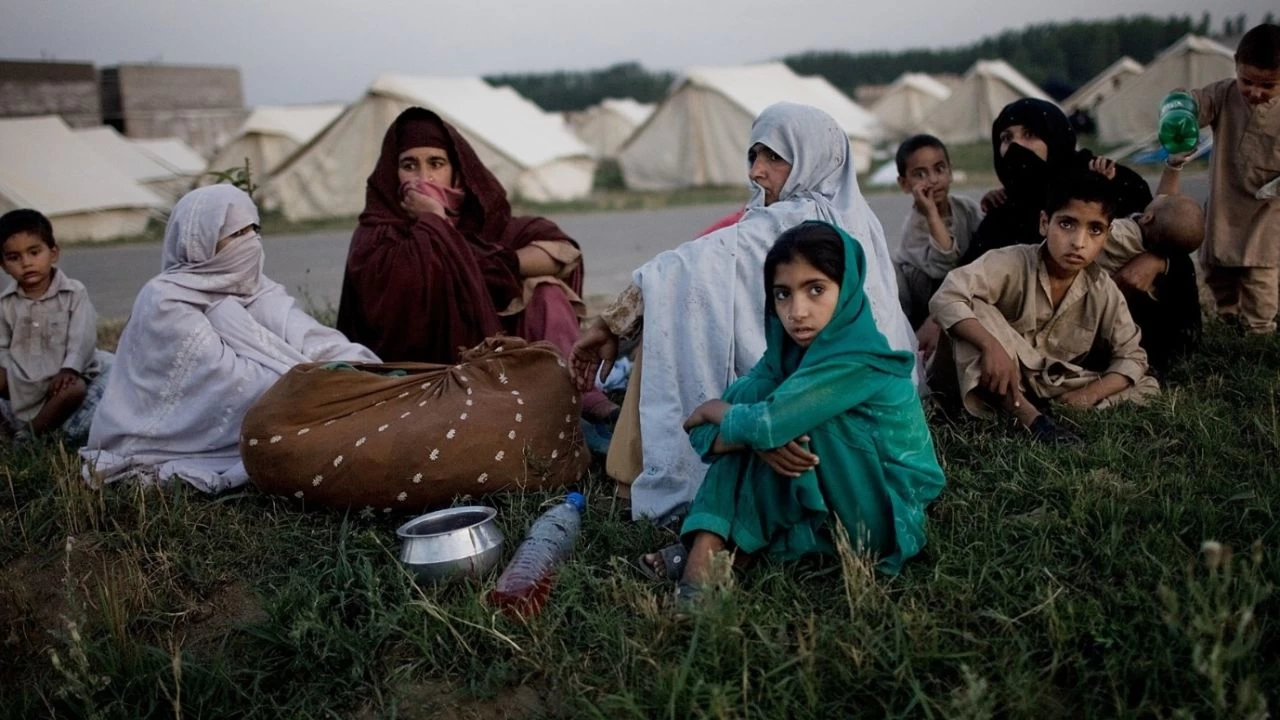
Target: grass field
[1134, 577]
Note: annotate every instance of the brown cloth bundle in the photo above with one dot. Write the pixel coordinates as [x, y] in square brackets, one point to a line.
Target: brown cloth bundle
[507, 417]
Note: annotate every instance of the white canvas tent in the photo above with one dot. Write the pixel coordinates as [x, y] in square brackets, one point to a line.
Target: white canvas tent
[174, 154]
[1192, 62]
[606, 126]
[271, 134]
[966, 116]
[1104, 85]
[48, 167]
[531, 152]
[905, 105]
[698, 135]
[133, 161]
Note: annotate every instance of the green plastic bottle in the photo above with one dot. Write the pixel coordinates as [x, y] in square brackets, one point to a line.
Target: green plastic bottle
[1179, 123]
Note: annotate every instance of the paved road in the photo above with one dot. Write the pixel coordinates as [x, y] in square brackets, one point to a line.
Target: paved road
[614, 244]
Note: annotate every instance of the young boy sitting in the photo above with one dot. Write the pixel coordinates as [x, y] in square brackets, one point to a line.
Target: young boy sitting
[1030, 323]
[48, 330]
[1149, 257]
[1241, 253]
[938, 228]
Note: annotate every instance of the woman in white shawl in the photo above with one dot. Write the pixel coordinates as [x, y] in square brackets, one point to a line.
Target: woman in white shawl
[703, 303]
[206, 338]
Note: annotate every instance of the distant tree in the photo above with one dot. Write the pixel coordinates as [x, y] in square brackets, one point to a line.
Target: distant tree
[1060, 56]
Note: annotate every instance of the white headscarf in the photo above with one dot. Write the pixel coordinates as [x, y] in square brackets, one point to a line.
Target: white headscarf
[704, 301]
[206, 338]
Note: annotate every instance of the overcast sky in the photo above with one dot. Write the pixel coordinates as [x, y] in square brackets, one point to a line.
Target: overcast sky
[293, 51]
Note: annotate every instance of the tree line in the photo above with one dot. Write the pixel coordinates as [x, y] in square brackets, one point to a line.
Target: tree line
[1057, 56]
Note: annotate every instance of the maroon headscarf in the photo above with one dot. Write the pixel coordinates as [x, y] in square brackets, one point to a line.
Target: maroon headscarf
[419, 289]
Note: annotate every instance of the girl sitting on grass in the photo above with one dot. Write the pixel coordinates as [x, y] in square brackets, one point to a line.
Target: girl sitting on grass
[828, 421]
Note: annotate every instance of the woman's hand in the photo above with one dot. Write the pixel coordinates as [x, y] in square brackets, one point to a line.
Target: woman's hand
[710, 412]
[791, 460]
[593, 355]
[417, 204]
[993, 200]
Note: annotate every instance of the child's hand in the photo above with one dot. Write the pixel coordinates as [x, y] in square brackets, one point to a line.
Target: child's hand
[1141, 272]
[791, 460]
[922, 194]
[1080, 398]
[1000, 374]
[710, 412]
[993, 200]
[1104, 166]
[927, 338]
[63, 380]
[593, 355]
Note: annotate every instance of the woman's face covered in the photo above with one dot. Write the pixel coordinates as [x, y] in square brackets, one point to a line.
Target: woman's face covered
[1033, 141]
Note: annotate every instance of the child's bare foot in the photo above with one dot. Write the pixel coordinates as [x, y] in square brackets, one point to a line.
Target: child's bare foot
[665, 564]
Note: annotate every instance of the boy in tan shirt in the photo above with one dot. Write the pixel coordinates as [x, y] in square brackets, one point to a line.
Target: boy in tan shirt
[1041, 322]
[1241, 253]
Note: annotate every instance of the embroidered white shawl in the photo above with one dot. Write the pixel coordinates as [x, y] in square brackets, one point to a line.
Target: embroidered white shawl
[206, 338]
[704, 301]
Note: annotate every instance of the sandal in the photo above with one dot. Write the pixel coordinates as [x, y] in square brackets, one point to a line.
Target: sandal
[688, 597]
[673, 559]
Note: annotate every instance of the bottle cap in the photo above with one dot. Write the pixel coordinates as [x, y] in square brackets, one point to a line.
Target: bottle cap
[577, 500]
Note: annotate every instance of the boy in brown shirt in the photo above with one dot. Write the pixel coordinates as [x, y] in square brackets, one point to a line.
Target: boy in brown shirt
[1241, 252]
[1042, 322]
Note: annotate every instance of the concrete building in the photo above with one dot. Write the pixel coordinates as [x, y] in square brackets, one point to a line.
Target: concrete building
[202, 106]
[30, 88]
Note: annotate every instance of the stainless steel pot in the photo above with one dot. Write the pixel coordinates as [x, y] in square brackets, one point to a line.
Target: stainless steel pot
[453, 543]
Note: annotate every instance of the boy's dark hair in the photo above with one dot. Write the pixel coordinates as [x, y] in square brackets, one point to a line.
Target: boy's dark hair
[914, 143]
[1081, 186]
[26, 221]
[1260, 47]
[816, 242]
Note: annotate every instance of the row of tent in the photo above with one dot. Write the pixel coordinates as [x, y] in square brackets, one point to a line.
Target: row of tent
[313, 161]
[93, 183]
[1121, 100]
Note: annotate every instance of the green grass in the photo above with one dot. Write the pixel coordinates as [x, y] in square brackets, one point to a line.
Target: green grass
[1056, 583]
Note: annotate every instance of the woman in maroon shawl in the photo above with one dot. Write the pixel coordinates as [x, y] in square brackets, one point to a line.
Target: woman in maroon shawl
[438, 263]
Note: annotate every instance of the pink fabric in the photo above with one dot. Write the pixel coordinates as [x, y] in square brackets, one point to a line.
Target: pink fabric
[550, 316]
[724, 222]
[450, 198]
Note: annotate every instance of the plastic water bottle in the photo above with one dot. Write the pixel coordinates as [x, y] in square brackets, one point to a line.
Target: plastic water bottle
[523, 587]
[1179, 123]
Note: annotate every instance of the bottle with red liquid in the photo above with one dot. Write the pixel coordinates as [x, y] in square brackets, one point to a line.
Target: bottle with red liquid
[523, 587]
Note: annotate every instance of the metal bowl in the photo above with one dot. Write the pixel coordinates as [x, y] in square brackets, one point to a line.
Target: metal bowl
[453, 543]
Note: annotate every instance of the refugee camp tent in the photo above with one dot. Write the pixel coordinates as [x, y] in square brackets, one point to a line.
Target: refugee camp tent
[86, 196]
[132, 160]
[174, 153]
[966, 116]
[1104, 85]
[606, 126]
[271, 134]
[1192, 62]
[531, 152]
[698, 135]
[905, 105]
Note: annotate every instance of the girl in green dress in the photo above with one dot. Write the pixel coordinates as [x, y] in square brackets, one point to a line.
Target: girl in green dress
[827, 422]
